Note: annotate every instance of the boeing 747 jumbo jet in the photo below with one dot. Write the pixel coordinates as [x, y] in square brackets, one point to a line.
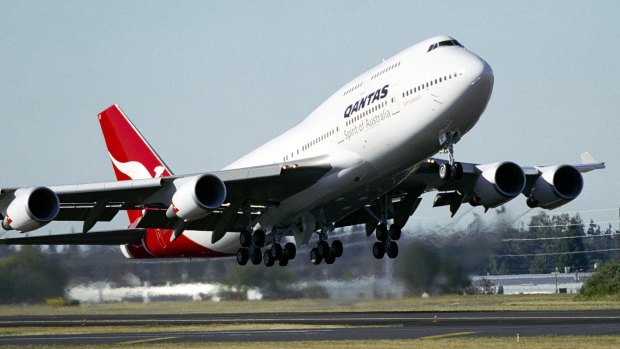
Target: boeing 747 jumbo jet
[364, 156]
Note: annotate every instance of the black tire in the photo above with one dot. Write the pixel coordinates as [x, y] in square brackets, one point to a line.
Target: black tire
[445, 171]
[337, 248]
[458, 170]
[259, 238]
[323, 248]
[381, 232]
[276, 251]
[283, 262]
[392, 250]
[290, 250]
[378, 250]
[256, 257]
[315, 256]
[242, 256]
[395, 232]
[245, 238]
[268, 258]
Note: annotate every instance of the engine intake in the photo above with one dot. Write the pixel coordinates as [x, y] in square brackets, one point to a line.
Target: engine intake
[498, 183]
[32, 208]
[196, 196]
[556, 186]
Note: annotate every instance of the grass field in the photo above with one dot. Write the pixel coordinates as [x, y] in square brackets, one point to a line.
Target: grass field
[548, 342]
[441, 303]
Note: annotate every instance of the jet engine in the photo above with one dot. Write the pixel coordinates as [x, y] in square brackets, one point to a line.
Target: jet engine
[195, 196]
[32, 208]
[556, 186]
[498, 183]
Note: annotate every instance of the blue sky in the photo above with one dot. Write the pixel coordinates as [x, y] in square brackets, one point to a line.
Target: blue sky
[206, 82]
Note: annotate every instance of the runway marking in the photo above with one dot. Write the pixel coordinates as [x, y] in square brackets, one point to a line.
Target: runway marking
[447, 335]
[147, 340]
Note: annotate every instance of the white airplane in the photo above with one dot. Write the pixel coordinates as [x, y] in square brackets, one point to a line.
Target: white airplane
[364, 156]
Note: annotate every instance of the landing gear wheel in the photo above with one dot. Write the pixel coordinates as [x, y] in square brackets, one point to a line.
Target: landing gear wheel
[381, 232]
[276, 251]
[323, 248]
[378, 250]
[395, 232]
[259, 238]
[268, 258]
[256, 256]
[290, 251]
[392, 250]
[445, 171]
[458, 170]
[315, 256]
[330, 258]
[242, 256]
[245, 238]
[283, 262]
[337, 248]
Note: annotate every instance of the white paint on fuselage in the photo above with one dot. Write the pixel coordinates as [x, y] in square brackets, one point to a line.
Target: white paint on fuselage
[381, 145]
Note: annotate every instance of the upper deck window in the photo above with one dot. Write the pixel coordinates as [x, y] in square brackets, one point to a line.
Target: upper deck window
[444, 43]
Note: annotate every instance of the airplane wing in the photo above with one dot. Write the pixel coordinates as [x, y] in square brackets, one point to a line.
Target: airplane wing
[108, 237]
[491, 185]
[488, 185]
[261, 186]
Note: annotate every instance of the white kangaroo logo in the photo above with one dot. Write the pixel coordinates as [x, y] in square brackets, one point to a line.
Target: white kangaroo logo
[136, 170]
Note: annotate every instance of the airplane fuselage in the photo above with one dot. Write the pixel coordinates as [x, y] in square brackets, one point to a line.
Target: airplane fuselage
[374, 130]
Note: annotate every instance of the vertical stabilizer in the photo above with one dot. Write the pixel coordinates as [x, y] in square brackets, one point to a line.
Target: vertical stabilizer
[132, 156]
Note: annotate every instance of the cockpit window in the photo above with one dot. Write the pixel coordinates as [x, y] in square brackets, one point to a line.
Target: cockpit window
[444, 43]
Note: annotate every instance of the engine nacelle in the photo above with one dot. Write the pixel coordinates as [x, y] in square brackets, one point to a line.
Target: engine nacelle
[32, 208]
[498, 183]
[556, 186]
[196, 196]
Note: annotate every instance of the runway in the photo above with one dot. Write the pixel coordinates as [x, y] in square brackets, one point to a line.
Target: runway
[347, 326]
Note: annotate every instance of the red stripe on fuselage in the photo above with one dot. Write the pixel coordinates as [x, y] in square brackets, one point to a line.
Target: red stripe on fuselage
[156, 244]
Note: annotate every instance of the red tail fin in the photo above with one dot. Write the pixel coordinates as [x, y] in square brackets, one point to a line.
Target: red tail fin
[132, 156]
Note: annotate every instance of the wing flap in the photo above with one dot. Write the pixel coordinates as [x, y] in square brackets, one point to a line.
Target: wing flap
[81, 213]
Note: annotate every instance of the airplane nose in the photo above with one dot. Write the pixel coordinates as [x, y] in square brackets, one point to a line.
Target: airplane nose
[479, 69]
[487, 73]
[482, 75]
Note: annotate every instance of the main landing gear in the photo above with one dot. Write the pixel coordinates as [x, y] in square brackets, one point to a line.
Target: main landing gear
[280, 254]
[250, 247]
[251, 250]
[387, 241]
[323, 251]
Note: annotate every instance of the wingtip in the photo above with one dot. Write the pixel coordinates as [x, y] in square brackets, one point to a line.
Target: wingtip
[587, 158]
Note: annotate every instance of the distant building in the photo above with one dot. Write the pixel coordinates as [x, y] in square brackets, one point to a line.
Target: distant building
[536, 283]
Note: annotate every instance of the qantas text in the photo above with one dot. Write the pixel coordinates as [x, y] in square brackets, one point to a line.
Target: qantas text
[368, 100]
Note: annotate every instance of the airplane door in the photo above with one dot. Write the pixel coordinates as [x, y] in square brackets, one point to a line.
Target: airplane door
[395, 101]
[277, 157]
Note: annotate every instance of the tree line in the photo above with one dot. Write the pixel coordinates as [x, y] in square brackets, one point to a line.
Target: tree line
[430, 260]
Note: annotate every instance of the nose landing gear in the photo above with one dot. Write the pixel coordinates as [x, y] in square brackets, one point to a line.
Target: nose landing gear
[452, 169]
